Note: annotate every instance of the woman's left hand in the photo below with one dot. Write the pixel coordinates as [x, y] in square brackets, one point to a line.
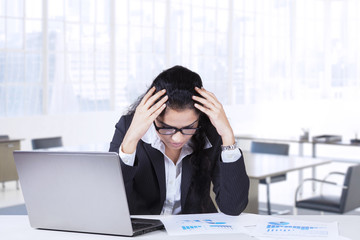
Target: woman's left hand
[215, 111]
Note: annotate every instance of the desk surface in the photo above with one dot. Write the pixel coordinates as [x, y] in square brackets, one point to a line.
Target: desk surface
[18, 228]
[259, 166]
[348, 224]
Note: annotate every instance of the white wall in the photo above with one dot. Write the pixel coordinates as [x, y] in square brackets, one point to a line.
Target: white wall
[76, 129]
[286, 120]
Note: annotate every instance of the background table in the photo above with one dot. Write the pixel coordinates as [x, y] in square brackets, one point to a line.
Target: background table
[260, 166]
[7, 165]
[314, 144]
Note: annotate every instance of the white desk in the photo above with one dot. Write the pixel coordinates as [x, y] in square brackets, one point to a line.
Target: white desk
[18, 228]
[260, 166]
[301, 143]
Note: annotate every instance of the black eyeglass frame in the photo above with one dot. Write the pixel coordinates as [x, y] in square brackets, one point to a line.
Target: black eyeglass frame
[175, 130]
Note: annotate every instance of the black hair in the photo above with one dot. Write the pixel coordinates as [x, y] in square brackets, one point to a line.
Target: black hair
[179, 83]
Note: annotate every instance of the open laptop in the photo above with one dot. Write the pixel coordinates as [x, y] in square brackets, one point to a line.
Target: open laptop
[77, 191]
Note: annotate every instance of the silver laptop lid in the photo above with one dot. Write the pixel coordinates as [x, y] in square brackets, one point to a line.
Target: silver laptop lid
[74, 191]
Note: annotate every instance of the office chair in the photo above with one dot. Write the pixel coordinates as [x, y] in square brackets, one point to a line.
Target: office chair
[4, 137]
[44, 143]
[348, 200]
[271, 148]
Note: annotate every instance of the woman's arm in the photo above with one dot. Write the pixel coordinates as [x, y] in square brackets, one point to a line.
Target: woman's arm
[231, 183]
[231, 186]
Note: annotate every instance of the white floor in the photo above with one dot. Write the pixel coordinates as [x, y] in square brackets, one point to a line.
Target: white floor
[281, 193]
[9, 195]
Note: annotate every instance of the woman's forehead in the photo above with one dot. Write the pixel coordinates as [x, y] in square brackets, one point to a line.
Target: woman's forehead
[179, 118]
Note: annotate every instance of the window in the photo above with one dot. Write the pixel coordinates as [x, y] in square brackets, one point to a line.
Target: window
[20, 58]
[60, 56]
[79, 59]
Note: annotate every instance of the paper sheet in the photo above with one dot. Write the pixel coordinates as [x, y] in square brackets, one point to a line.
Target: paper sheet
[201, 224]
[286, 227]
[269, 228]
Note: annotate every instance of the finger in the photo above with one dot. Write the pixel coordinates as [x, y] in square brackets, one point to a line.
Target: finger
[157, 112]
[154, 98]
[158, 104]
[211, 93]
[204, 92]
[204, 102]
[209, 96]
[147, 95]
[203, 109]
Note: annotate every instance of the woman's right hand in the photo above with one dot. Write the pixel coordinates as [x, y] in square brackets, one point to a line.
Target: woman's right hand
[145, 114]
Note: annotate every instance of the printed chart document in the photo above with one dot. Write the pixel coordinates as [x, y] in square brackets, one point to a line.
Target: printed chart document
[201, 224]
[268, 228]
[285, 227]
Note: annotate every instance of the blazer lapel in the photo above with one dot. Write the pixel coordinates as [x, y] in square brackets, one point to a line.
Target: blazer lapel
[186, 178]
[157, 159]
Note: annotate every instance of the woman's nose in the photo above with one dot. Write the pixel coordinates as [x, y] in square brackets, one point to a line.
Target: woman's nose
[178, 137]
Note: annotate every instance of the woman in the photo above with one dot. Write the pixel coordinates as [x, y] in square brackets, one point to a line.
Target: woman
[173, 143]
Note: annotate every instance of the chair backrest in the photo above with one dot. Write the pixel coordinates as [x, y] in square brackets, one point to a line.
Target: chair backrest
[4, 137]
[270, 148]
[350, 197]
[44, 143]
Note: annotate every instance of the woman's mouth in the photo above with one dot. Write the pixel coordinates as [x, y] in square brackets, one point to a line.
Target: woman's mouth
[176, 145]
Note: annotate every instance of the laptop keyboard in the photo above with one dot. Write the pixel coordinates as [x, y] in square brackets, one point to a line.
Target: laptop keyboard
[138, 225]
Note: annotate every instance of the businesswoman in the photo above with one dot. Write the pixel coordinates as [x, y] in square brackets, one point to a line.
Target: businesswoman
[173, 143]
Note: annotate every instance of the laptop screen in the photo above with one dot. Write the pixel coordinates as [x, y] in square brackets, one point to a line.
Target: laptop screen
[74, 191]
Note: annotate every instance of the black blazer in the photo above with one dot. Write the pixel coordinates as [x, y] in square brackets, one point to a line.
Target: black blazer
[145, 181]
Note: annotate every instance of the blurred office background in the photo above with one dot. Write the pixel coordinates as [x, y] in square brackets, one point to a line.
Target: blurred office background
[70, 68]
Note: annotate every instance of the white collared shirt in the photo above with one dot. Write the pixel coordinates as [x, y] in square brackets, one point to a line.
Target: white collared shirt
[173, 172]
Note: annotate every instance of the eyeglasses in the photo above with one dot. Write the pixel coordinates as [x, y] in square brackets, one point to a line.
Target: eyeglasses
[172, 130]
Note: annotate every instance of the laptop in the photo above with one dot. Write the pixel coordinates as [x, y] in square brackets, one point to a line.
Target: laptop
[77, 191]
